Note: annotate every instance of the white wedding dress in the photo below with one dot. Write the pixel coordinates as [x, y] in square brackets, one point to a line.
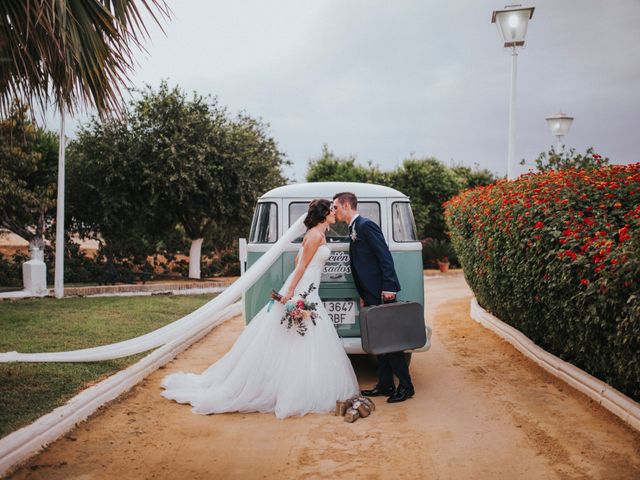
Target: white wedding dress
[274, 369]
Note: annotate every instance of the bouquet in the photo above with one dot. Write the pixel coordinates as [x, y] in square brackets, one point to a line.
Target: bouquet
[297, 312]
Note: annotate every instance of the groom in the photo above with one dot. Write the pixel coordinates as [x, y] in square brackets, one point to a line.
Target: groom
[376, 281]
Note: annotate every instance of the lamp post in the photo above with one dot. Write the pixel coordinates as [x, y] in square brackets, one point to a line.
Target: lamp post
[59, 264]
[512, 24]
[559, 125]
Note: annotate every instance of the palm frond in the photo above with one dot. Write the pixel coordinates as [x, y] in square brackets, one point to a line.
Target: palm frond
[73, 53]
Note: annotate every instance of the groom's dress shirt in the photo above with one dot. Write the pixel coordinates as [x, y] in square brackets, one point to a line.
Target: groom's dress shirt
[352, 221]
[351, 228]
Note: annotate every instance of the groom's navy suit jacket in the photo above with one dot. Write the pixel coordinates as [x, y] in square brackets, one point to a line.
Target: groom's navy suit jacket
[371, 262]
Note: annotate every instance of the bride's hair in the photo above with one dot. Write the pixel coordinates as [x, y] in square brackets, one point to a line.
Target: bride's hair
[318, 211]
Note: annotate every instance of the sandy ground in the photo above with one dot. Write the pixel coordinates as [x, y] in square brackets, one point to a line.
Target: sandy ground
[481, 411]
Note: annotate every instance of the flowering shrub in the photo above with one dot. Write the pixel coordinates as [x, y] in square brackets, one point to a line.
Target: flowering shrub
[557, 255]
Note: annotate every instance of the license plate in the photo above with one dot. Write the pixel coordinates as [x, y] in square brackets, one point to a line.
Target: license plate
[341, 312]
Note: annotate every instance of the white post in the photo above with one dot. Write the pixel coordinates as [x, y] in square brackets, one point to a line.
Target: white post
[59, 269]
[512, 117]
[242, 245]
[558, 143]
[34, 273]
[194, 258]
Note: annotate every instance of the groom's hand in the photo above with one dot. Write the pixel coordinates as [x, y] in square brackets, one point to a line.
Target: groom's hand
[388, 296]
[361, 303]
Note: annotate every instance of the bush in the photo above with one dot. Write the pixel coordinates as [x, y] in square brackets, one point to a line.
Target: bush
[10, 271]
[78, 267]
[557, 255]
[223, 263]
[563, 159]
[434, 250]
[428, 183]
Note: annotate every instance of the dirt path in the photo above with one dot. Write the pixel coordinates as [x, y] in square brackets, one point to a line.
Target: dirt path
[482, 411]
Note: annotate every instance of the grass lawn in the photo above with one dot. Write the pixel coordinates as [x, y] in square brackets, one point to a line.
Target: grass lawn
[29, 390]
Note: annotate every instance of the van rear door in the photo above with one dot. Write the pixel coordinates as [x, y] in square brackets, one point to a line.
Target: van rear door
[337, 289]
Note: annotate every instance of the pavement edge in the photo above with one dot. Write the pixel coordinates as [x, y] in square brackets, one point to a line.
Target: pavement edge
[602, 393]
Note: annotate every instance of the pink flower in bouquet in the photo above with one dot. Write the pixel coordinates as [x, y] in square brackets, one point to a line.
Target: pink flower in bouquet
[300, 303]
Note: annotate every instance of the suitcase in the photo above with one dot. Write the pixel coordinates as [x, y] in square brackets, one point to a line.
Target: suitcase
[392, 327]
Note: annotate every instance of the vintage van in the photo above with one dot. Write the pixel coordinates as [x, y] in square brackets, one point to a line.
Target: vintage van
[279, 208]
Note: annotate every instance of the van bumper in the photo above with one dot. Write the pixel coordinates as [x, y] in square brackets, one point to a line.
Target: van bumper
[353, 345]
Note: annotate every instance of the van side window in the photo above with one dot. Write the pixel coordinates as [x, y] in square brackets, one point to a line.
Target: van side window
[339, 232]
[264, 227]
[404, 226]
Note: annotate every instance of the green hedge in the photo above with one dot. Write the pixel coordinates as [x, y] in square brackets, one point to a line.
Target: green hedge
[557, 256]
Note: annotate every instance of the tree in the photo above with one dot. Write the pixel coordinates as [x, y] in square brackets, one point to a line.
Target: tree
[208, 168]
[172, 160]
[70, 52]
[475, 177]
[259, 164]
[105, 196]
[564, 159]
[28, 169]
[429, 183]
[329, 167]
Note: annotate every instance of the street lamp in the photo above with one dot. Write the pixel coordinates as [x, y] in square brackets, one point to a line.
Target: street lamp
[559, 125]
[512, 24]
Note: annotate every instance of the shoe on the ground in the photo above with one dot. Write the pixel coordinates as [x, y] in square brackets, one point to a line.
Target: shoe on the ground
[351, 415]
[362, 408]
[367, 401]
[402, 394]
[378, 391]
[342, 406]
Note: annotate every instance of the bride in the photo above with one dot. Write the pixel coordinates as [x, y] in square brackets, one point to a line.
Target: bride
[271, 368]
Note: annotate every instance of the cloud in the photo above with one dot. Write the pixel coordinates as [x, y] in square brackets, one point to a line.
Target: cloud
[382, 80]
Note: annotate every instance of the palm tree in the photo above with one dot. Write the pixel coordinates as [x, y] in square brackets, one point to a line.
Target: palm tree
[71, 52]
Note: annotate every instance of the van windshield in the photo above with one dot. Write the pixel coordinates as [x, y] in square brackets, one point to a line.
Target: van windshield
[339, 232]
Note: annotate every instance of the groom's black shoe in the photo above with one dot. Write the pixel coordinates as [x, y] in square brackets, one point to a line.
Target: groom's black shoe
[402, 394]
[379, 391]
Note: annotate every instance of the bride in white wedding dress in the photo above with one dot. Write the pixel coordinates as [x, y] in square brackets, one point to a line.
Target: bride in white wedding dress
[271, 368]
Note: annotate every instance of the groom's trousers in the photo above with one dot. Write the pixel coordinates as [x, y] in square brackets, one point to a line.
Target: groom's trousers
[390, 364]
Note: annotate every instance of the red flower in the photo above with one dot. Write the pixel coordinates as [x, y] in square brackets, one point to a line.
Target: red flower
[623, 233]
[584, 281]
[538, 225]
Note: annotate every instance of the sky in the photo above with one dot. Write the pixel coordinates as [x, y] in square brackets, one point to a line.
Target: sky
[386, 80]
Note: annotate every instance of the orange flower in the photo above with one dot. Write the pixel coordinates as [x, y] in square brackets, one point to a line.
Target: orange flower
[623, 234]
